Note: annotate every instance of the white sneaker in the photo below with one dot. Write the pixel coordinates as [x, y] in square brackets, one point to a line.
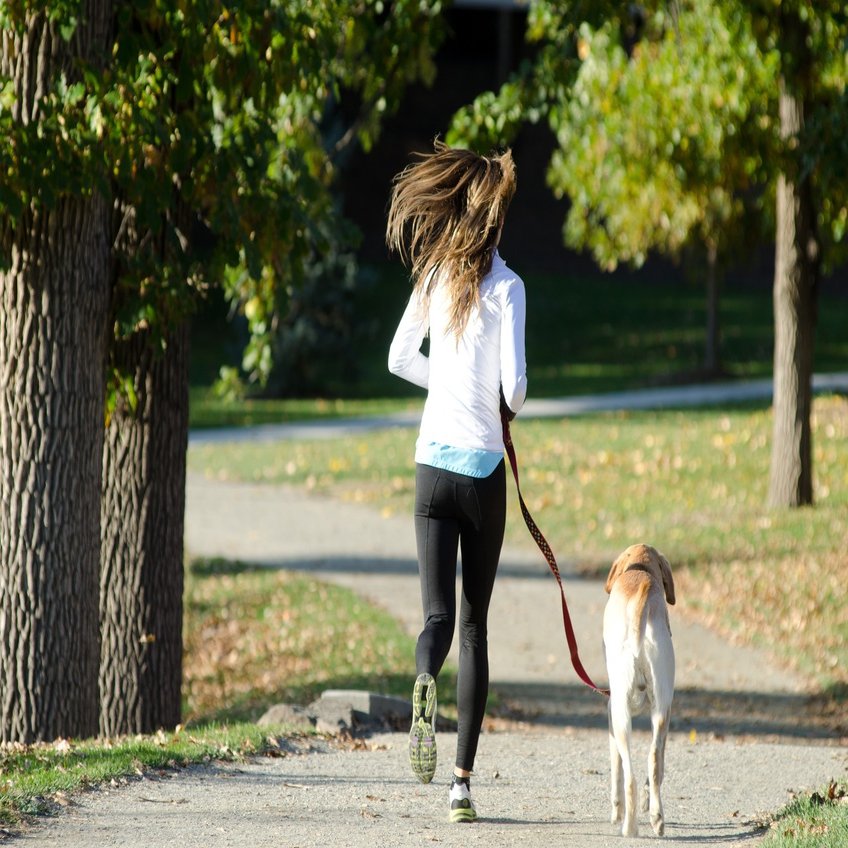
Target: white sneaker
[461, 805]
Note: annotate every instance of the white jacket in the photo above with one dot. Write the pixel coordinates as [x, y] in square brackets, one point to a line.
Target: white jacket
[464, 377]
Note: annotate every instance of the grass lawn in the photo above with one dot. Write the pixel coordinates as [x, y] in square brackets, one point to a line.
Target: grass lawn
[813, 820]
[39, 779]
[584, 335]
[255, 637]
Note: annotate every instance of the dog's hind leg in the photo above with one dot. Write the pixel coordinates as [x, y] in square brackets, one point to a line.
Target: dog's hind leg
[656, 767]
[616, 777]
[620, 729]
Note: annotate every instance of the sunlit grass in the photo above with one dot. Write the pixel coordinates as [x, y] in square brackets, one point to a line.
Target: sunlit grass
[207, 410]
[255, 637]
[813, 820]
[39, 779]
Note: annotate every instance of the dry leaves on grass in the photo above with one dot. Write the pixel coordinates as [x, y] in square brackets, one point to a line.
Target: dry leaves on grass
[794, 607]
[258, 636]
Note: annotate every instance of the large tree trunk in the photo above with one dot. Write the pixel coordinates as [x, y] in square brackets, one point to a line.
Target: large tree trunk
[52, 356]
[796, 279]
[142, 542]
[54, 297]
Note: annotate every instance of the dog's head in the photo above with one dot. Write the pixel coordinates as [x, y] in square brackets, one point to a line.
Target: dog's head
[644, 558]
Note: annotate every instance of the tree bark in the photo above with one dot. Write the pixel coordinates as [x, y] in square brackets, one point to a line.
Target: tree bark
[796, 279]
[54, 299]
[52, 356]
[143, 510]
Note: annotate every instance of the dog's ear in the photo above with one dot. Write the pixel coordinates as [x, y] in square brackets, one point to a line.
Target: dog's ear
[617, 567]
[668, 580]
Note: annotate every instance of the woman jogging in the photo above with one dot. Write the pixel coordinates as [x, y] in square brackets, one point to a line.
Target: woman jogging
[445, 220]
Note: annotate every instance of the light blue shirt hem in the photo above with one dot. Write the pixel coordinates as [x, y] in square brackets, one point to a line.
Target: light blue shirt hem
[472, 462]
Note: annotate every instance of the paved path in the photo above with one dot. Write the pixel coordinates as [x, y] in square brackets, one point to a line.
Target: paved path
[533, 789]
[739, 744]
[705, 394]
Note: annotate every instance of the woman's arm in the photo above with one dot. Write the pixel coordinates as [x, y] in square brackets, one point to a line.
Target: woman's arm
[513, 361]
[405, 357]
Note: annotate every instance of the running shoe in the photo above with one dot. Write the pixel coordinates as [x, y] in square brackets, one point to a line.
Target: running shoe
[461, 805]
[422, 734]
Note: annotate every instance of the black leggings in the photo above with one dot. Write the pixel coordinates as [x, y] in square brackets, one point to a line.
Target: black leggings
[453, 510]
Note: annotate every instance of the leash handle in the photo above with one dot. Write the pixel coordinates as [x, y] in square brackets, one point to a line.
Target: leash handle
[548, 554]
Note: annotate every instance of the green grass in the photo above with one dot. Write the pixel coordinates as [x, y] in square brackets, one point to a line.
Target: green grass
[587, 334]
[255, 637]
[37, 779]
[209, 411]
[816, 820]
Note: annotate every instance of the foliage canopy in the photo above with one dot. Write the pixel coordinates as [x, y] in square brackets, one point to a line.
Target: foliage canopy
[207, 122]
[666, 120]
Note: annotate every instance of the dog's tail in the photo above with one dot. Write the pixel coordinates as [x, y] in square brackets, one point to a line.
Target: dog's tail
[636, 614]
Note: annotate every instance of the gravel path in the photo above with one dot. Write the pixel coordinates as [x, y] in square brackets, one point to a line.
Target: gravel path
[739, 745]
[533, 789]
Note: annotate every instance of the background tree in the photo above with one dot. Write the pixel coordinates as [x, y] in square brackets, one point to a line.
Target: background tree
[224, 178]
[805, 45]
[810, 41]
[54, 290]
[665, 149]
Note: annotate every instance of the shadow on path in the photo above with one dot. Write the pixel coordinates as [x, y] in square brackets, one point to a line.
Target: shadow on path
[772, 716]
[365, 565]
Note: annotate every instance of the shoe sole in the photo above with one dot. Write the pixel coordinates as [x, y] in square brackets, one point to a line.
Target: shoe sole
[463, 815]
[422, 736]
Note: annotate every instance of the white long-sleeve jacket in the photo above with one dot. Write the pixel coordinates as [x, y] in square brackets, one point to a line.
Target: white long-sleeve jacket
[464, 377]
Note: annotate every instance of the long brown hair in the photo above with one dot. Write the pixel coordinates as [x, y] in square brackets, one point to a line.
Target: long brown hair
[446, 212]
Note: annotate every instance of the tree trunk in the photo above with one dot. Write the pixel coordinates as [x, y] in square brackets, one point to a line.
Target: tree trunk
[796, 278]
[52, 357]
[142, 542]
[54, 298]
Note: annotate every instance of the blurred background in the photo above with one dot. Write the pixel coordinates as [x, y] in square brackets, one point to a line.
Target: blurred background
[600, 318]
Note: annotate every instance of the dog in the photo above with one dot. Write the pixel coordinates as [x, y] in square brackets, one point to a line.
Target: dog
[640, 664]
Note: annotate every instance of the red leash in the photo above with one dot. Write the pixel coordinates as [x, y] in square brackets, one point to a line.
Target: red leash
[548, 554]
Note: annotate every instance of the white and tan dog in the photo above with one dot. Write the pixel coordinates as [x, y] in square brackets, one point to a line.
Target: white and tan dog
[640, 664]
